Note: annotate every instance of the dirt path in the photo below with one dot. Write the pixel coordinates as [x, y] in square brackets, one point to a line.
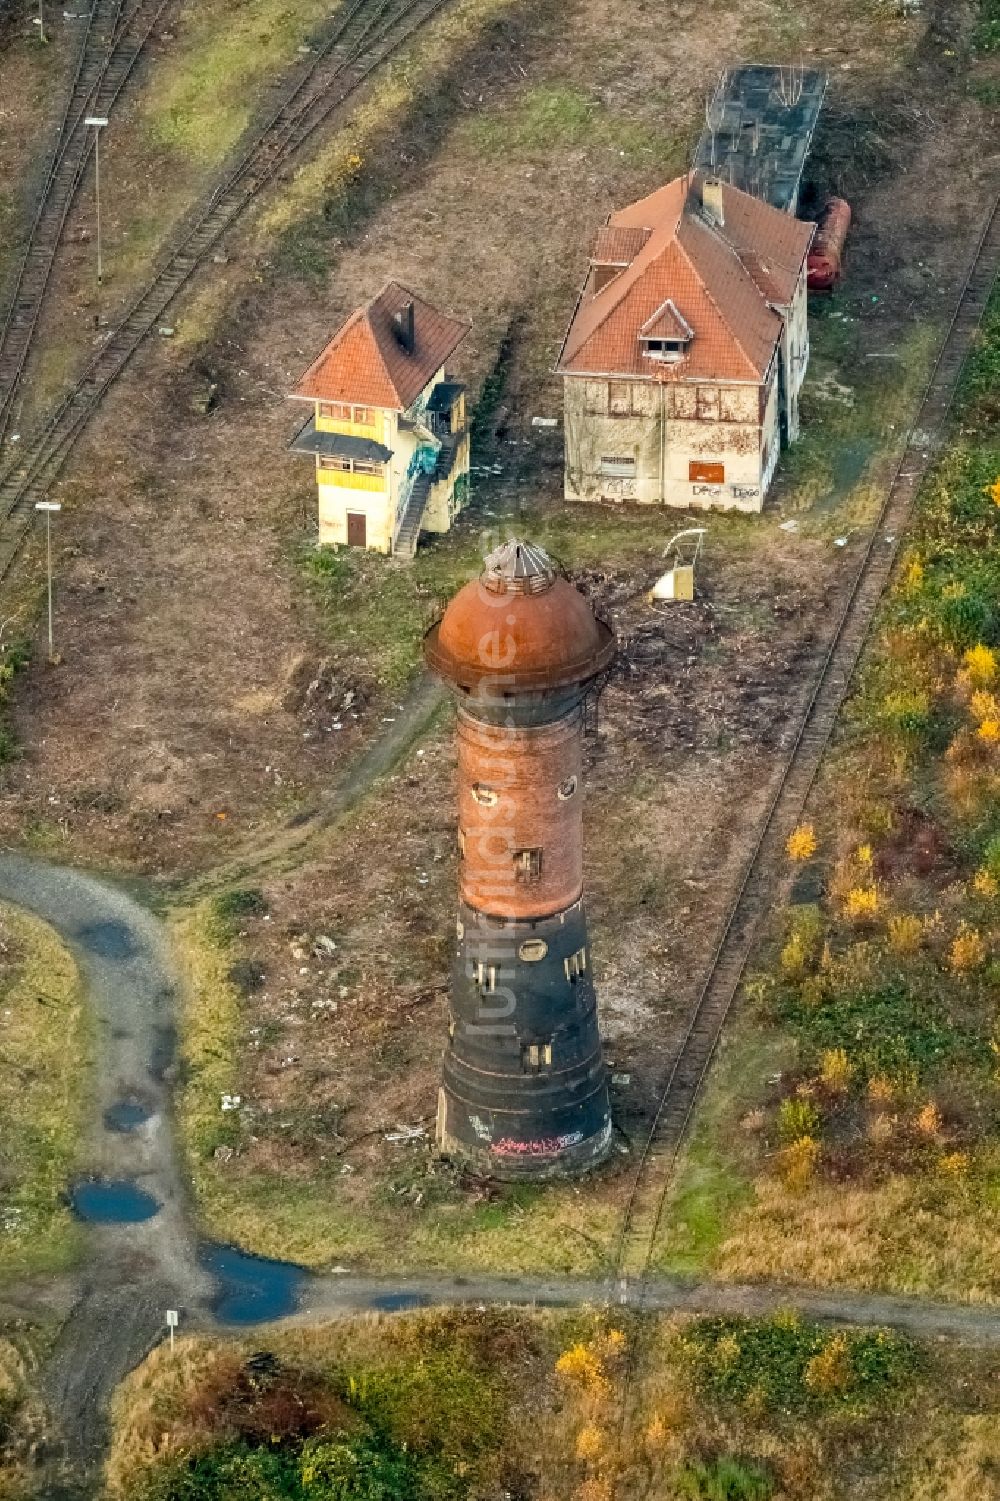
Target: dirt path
[135, 1271]
[276, 851]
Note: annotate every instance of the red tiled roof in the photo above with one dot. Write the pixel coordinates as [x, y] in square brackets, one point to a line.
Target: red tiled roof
[365, 362]
[720, 282]
[617, 245]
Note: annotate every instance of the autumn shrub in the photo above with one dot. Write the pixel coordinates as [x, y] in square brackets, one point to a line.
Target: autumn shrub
[797, 1117]
[906, 933]
[835, 1070]
[797, 1163]
[968, 950]
[801, 843]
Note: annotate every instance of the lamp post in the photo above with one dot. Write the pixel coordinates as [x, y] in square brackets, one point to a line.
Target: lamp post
[48, 506]
[98, 123]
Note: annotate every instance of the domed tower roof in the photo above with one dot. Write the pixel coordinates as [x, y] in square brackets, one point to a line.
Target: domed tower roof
[520, 628]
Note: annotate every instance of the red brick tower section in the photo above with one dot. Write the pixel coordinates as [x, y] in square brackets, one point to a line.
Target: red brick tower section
[524, 1090]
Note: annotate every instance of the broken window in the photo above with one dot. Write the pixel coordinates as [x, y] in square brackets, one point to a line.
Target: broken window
[566, 789]
[527, 866]
[707, 407]
[485, 795]
[334, 461]
[575, 964]
[619, 398]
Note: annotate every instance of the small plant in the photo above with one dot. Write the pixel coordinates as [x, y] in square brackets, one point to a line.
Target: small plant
[245, 901]
[989, 731]
[861, 903]
[797, 1117]
[906, 933]
[880, 1130]
[881, 1089]
[968, 950]
[802, 843]
[590, 1443]
[835, 1070]
[980, 663]
[830, 1372]
[797, 1163]
[723, 1480]
[984, 883]
[928, 1120]
[954, 1165]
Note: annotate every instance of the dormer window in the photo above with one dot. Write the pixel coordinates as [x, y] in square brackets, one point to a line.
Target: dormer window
[667, 335]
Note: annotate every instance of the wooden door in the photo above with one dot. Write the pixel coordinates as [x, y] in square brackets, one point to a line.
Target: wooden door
[356, 533]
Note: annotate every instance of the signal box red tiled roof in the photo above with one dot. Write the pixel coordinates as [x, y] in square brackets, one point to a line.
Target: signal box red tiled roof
[723, 282]
[371, 360]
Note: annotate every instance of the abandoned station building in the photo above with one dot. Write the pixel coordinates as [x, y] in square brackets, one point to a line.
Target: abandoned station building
[686, 354]
[525, 1084]
[388, 430]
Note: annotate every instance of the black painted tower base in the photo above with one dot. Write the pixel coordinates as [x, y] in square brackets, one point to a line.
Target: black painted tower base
[525, 1085]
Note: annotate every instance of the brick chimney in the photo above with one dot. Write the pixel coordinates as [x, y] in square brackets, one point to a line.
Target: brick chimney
[405, 332]
[711, 201]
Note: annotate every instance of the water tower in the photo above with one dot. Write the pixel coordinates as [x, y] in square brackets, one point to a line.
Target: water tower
[524, 1091]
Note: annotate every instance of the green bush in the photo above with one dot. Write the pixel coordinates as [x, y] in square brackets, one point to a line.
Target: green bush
[723, 1479]
[797, 1118]
[245, 901]
[764, 1361]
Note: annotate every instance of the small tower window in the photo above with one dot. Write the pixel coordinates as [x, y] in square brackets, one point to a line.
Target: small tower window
[486, 977]
[527, 866]
[566, 789]
[533, 949]
[575, 964]
[535, 1056]
[485, 795]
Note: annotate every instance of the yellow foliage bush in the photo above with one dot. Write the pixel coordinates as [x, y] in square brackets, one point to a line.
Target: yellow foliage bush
[802, 843]
[595, 1488]
[906, 933]
[795, 957]
[914, 577]
[589, 1442]
[993, 491]
[881, 1089]
[835, 1070]
[928, 1119]
[984, 705]
[968, 950]
[954, 1164]
[989, 731]
[981, 665]
[830, 1371]
[581, 1366]
[861, 902]
[864, 855]
[984, 883]
[797, 1164]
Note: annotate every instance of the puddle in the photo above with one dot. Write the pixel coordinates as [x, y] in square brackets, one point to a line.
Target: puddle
[110, 1201]
[125, 1115]
[251, 1289]
[109, 940]
[396, 1302]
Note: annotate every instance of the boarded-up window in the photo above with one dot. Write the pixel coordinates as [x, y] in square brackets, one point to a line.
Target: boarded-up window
[619, 398]
[708, 403]
[618, 466]
[527, 866]
[700, 472]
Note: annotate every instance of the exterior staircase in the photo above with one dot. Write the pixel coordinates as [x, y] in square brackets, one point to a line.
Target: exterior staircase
[409, 528]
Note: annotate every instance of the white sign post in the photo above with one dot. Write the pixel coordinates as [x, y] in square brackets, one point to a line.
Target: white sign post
[51, 508]
[173, 1319]
[97, 122]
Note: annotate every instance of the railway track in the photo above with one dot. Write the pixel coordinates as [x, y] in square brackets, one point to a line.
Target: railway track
[364, 34]
[113, 41]
[761, 872]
